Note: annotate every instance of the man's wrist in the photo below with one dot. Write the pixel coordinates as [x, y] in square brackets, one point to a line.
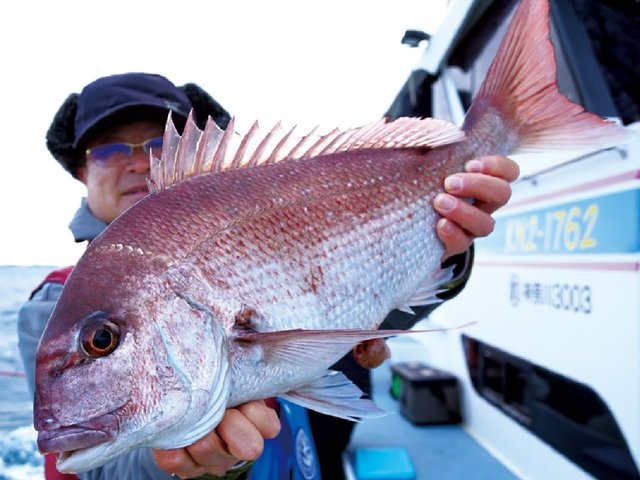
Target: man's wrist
[237, 472]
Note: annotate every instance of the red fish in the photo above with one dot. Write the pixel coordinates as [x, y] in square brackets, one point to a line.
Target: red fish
[258, 261]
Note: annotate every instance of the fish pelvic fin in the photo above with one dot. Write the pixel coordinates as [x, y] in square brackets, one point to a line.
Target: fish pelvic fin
[215, 150]
[520, 96]
[334, 394]
[427, 293]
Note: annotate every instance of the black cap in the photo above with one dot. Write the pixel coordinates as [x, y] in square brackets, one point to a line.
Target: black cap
[124, 97]
[109, 100]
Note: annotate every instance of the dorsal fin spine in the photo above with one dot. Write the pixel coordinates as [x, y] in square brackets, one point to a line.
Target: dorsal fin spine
[300, 147]
[262, 146]
[319, 147]
[187, 148]
[210, 140]
[278, 152]
[170, 143]
[219, 157]
[244, 145]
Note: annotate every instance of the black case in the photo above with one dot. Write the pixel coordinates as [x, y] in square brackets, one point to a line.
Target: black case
[428, 396]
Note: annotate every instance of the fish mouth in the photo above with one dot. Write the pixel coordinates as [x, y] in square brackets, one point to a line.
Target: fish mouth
[70, 439]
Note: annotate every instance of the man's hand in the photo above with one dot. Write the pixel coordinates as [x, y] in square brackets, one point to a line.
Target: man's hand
[371, 353]
[239, 436]
[486, 180]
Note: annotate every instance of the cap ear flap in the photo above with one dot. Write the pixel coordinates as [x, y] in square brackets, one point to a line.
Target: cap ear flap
[205, 106]
[61, 135]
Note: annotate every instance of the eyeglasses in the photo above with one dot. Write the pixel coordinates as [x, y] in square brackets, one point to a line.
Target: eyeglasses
[113, 152]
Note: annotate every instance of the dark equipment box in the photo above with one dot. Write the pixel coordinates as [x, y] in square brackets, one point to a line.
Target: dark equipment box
[427, 396]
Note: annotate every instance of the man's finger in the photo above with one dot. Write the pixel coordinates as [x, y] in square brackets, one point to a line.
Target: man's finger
[453, 237]
[176, 462]
[488, 192]
[494, 165]
[243, 440]
[263, 417]
[371, 353]
[211, 453]
[473, 220]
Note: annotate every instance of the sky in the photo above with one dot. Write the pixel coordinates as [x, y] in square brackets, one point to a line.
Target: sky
[330, 63]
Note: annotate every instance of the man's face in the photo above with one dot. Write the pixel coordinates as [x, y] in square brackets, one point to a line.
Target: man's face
[114, 184]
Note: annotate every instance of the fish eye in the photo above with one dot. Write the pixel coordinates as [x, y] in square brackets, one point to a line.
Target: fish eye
[99, 337]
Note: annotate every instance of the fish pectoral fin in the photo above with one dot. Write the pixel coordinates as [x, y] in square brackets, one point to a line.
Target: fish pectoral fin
[334, 394]
[426, 293]
[297, 347]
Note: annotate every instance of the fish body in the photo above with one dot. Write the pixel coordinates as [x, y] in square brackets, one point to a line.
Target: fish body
[248, 271]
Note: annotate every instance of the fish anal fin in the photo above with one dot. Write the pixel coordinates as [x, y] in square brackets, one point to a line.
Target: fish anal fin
[334, 394]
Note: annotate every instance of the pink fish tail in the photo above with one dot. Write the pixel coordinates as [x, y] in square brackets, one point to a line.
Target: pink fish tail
[520, 101]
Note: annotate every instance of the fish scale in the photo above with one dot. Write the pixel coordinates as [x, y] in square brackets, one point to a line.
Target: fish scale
[297, 235]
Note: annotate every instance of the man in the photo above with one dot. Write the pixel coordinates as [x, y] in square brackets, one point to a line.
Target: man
[103, 137]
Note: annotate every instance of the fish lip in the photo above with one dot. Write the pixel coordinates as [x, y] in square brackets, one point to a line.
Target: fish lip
[71, 438]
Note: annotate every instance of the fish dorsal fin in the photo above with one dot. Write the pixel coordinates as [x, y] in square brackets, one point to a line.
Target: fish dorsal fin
[214, 150]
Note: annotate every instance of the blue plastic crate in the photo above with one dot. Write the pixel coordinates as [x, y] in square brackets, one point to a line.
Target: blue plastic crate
[383, 464]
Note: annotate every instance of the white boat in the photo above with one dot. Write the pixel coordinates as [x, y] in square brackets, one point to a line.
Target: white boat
[549, 375]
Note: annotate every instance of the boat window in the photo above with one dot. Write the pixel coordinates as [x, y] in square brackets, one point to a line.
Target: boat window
[472, 57]
[568, 415]
[595, 49]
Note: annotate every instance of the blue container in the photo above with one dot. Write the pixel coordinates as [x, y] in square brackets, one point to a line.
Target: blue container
[383, 464]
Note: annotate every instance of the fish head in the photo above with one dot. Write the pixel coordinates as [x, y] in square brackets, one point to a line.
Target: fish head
[125, 365]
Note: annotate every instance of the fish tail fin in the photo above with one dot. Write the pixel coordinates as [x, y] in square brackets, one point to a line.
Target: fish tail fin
[520, 96]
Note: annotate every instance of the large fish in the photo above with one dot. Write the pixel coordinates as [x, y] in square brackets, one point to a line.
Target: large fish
[251, 268]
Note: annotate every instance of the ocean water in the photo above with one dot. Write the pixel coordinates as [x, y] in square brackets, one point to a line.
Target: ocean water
[19, 457]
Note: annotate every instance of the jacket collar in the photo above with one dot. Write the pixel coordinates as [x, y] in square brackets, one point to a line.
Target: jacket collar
[85, 226]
